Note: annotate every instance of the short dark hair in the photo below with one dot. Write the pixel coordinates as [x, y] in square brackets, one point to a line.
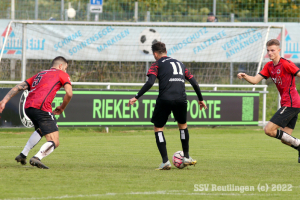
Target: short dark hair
[211, 14]
[159, 47]
[58, 60]
[273, 42]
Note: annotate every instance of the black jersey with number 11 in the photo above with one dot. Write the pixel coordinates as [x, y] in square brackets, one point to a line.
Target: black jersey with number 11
[171, 74]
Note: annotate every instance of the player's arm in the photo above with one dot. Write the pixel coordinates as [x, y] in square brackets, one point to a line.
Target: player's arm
[144, 89]
[193, 82]
[67, 98]
[196, 87]
[15, 90]
[251, 79]
[298, 74]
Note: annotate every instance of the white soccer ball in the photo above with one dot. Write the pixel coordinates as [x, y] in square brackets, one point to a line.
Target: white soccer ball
[148, 37]
[178, 159]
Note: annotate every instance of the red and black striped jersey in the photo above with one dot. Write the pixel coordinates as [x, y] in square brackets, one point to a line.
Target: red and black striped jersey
[283, 75]
[43, 87]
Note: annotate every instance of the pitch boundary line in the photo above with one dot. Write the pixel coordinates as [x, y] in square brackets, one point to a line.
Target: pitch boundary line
[10, 147]
[171, 192]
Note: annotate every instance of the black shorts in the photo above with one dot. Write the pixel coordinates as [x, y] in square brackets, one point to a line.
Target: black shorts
[286, 117]
[43, 120]
[163, 109]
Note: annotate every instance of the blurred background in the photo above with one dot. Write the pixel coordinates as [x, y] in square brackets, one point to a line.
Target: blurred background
[159, 10]
[149, 11]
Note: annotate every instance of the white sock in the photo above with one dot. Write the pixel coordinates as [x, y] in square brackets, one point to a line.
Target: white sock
[45, 150]
[32, 141]
[290, 139]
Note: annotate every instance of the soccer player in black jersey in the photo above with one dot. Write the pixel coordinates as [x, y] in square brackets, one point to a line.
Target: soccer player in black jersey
[172, 97]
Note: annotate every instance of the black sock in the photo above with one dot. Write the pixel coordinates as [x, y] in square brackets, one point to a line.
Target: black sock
[294, 147]
[161, 145]
[184, 137]
[279, 134]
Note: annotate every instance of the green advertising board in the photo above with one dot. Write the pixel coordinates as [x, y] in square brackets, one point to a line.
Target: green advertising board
[110, 108]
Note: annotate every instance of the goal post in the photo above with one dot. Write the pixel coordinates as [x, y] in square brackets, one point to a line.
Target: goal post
[121, 51]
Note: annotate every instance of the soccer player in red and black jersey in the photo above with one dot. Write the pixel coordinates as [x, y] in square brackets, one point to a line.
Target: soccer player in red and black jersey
[283, 74]
[172, 97]
[42, 89]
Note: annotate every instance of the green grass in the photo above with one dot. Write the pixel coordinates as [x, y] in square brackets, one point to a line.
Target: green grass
[93, 164]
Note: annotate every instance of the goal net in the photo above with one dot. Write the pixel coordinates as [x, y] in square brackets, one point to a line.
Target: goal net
[121, 52]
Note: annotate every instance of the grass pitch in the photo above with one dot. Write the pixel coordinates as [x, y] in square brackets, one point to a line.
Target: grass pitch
[92, 164]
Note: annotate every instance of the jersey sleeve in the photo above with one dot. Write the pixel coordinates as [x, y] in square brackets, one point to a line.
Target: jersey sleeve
[64, 78]
[153, 69]
[29, 82]
[188, 74]
[147, 86]
[291, 68]
[265, 72]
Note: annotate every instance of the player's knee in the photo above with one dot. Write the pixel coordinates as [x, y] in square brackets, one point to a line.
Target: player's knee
[182, 126]
[269, 131]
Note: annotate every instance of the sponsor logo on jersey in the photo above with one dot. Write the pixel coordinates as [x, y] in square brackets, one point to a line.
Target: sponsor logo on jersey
[176, 79]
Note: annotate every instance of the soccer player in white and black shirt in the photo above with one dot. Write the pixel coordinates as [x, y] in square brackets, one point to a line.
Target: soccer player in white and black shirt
[172, 97]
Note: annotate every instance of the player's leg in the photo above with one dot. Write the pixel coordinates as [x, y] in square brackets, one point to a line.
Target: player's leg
[162, 147]
[284, 135]
[179, 110]
[49, 146]
[32, 141]
[159, 119]
[271, 129]
[48, 126]
[288, 131]
[286, 118]
[35, 137]
[184, 137]
[161, 143]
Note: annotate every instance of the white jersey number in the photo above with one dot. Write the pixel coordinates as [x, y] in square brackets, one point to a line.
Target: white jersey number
[175, 68]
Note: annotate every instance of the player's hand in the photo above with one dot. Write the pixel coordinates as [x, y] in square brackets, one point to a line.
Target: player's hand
[58, 110]
[202, 105]
[2, 106]
[241, 75]
[132, 101]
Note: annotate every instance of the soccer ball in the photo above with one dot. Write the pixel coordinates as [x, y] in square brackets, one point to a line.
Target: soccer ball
[178, 159]
[148, 37]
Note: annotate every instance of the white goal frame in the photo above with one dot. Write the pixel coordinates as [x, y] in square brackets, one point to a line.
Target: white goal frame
[145, 24]
[268, 26]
